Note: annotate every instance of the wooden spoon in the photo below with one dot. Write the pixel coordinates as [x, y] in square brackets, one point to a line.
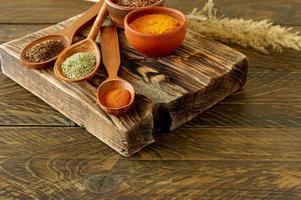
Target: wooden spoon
[86, 45]
[111, 60]
[66, 35]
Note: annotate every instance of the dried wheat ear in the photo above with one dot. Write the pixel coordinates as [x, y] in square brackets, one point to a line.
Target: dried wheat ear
[260, 35]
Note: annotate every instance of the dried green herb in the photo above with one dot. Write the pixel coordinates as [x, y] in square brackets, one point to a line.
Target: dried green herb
[79, 65]
[136, 3]
[44, 51]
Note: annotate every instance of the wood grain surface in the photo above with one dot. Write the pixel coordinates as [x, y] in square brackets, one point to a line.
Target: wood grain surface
[170, 91]
[200, 164]
[246, 147]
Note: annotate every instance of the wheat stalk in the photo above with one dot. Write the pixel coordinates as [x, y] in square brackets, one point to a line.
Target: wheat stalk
[260, 35]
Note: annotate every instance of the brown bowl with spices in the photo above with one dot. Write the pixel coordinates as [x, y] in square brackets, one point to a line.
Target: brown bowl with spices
[118, 9]
[155, 31]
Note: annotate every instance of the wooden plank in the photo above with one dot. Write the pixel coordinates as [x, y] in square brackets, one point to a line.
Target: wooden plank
[245, 144]
[99, 179]
[30, 113]
[249, 115]
[40, 12]
[200, 163]
[10, 32]
[217, 144]
[217, 72]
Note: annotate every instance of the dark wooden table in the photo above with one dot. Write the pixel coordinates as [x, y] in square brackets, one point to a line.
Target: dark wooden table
[246, 147]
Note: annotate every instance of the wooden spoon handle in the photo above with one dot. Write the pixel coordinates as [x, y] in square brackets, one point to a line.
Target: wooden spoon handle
[82, 21]
[110, 50]
[98, 22]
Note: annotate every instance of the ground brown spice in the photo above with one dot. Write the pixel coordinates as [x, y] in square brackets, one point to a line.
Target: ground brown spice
[136, 3]
[116, 98]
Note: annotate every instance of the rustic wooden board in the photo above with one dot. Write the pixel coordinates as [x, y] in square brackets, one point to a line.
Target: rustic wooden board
[171, 90]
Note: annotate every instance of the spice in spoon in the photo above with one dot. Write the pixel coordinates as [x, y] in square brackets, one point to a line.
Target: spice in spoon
[44, 51]
[136, 3]
[116, 98]
[78, 65]
[155, 24]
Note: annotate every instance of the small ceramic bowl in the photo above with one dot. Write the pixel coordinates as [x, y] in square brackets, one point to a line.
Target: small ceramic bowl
[118, 13]
[156, 45]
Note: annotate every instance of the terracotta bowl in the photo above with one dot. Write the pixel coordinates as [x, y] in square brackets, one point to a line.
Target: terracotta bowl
[156, 45]
[118, 13]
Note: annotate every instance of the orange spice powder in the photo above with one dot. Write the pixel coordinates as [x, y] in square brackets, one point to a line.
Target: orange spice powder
[155, 24]
[116, 98]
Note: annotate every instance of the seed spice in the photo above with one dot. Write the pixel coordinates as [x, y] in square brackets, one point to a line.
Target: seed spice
[79, 65]
[44, 51]
[136, 3]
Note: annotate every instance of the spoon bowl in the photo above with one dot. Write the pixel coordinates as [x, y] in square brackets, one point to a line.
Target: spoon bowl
[86, 45]
[39, 65]
[110, 85]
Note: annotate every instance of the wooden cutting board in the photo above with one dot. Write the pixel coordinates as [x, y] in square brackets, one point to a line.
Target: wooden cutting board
[170, 90]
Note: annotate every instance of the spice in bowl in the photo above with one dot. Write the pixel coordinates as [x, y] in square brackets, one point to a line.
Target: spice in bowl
[136, 3]
[79, 65]
[116, 98]
[155, 24]
[44, 51]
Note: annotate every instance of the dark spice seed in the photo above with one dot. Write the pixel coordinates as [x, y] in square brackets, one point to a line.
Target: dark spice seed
[136, 3]
[44, 51]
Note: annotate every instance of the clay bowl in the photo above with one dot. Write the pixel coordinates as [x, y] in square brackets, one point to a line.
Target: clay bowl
[48, 62]
[86, 45]
[156, 45]
[118, 13]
